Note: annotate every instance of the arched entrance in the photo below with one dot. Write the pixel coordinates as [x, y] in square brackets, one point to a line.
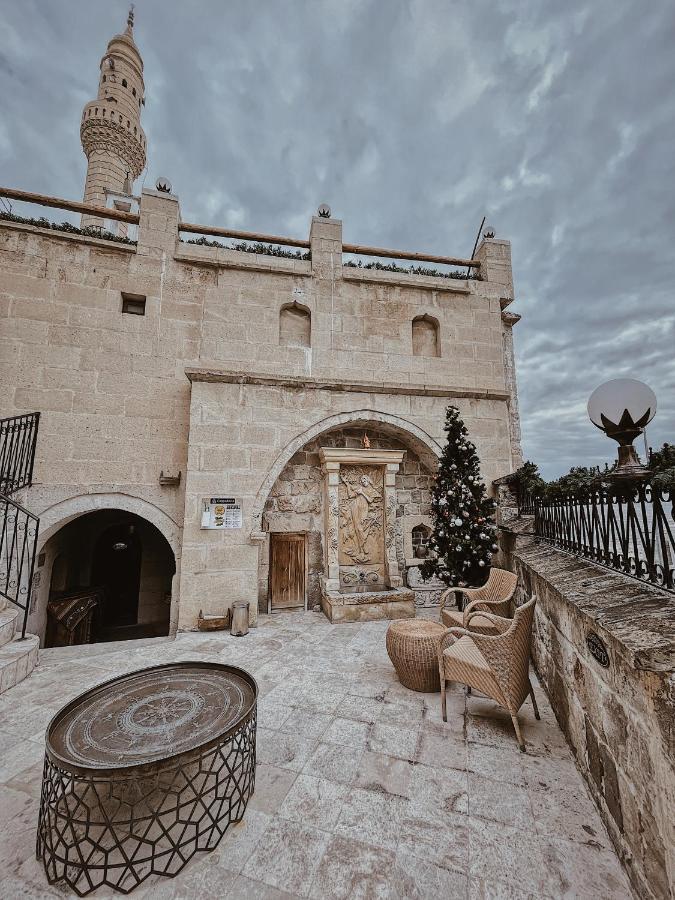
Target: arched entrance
[109, 576]
[293, 548]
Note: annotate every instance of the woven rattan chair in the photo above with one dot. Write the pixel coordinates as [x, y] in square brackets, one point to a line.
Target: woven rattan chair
[497, 665]
[495, 596]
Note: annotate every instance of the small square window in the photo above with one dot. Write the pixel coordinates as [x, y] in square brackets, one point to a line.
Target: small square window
[133, 304]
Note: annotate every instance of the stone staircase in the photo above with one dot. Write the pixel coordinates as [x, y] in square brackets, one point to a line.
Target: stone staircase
[18, 656]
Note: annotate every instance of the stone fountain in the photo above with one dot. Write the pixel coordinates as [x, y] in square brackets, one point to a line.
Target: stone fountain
[362, 581]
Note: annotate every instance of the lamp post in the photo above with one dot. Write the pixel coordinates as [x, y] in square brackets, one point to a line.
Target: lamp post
[622, 408]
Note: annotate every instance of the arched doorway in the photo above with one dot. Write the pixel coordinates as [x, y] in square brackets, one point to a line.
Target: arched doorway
[110, 575]
[293, 518]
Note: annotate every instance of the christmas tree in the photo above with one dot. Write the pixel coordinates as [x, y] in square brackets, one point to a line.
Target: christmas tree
[464, 533]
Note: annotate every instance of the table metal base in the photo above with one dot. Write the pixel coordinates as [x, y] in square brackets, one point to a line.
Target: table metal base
[142, 772]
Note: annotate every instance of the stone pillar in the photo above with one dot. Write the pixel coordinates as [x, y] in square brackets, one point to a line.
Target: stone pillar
[331, 471]
[508, 321]
[495, 267]
[158, 226]
[394, 575]
[325, 241]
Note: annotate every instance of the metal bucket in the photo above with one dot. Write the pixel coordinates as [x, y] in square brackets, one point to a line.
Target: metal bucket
[240, 610]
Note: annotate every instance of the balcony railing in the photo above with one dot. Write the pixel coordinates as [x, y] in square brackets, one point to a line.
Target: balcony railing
[631, 530]
[18, 550]
[18, 526]
[18, 436]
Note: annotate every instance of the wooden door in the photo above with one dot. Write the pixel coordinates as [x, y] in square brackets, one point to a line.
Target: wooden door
[287, 571]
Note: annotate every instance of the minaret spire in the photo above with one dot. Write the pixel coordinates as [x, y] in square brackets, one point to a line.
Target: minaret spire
[110, 130]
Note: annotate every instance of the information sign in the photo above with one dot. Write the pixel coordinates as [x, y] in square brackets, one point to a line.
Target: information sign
[221, 512]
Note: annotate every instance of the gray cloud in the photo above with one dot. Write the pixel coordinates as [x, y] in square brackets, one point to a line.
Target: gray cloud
[412, 118]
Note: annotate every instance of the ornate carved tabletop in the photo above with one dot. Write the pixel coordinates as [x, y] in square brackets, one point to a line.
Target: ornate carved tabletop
[145, 770]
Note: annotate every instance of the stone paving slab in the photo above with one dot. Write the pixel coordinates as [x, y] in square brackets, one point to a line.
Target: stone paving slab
[362, 790]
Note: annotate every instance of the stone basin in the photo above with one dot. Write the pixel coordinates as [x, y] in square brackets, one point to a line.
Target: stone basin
[368, 606]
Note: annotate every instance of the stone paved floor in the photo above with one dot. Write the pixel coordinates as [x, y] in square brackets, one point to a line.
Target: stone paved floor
[362, 791]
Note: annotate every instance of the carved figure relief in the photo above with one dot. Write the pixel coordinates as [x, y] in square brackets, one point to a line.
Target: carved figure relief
[361, 515]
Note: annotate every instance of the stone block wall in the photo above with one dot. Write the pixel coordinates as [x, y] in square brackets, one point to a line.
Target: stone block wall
[619, 719]
[117, 407]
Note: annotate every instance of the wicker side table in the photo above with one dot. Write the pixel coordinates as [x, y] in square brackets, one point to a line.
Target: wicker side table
[412, 645]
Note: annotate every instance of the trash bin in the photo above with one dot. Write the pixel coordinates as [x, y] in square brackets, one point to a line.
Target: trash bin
[240, 610]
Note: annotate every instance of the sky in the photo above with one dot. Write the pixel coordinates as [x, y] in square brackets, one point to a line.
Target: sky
[413, 119]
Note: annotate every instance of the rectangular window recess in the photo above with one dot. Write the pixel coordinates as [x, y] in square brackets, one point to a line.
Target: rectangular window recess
[133, 304]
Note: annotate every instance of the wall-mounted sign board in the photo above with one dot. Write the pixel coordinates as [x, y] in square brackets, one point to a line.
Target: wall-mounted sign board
[221, 512]
[597, 649]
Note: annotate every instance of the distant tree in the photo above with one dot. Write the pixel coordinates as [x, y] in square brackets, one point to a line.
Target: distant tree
[464, 530]
[662, 465]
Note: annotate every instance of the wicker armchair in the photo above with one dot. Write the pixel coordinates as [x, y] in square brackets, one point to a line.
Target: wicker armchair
[497, 665]
[494, 597]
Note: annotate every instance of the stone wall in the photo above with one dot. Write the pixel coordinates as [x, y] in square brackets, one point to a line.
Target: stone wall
[295, 503]
[117, 407]
[619, 719]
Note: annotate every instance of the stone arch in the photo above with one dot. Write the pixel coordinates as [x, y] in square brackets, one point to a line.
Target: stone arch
[424, 445]
[54, 517]
[425, 336]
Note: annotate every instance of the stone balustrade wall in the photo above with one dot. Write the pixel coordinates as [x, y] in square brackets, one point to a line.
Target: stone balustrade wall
[620, 718]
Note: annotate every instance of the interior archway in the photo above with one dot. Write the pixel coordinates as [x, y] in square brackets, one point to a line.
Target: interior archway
[109, 576]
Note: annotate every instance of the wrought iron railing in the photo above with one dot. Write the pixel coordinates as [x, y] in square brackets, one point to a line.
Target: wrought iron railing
[18, 436]
[525, 501]
[631, 530]
[18, 550]
[18, 526]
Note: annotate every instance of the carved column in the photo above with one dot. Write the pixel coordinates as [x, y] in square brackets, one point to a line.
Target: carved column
[394, 575]
[331, 470]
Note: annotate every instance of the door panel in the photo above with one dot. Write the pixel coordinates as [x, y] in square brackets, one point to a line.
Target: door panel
[287, 571]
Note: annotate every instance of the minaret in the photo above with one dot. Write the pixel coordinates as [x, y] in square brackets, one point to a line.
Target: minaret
[111, 132]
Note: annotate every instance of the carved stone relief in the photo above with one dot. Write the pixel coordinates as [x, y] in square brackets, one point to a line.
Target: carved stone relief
[361, 528]
[361, 515]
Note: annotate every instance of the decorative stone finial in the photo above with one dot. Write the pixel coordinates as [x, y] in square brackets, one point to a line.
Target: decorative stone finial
[366, 442]
[130, 20]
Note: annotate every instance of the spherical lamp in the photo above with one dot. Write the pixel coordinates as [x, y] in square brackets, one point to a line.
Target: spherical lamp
[622, 408]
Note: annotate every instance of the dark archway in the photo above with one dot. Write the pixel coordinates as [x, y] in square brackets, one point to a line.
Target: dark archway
[114, 568]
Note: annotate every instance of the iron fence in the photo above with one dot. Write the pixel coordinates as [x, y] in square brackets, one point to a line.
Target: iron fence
[629, 529]
[18, 549]
[18, 526]
[18, 437]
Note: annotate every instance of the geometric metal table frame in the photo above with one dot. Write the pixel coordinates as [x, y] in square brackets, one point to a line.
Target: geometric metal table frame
[145, 770]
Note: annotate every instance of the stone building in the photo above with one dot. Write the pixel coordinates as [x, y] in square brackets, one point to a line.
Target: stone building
[221, 425]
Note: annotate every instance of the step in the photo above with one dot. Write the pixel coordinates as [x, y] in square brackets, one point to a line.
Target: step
[8, 622]
[18, 658]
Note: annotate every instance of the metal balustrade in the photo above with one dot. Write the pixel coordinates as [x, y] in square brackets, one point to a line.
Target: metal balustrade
[18, 526]
[18, 437]
[629, 529]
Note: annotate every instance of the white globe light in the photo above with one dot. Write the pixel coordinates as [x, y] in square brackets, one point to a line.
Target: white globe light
[622, 408]
[611, 401]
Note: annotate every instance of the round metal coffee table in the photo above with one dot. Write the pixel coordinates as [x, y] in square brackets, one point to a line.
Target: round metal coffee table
[143, 771]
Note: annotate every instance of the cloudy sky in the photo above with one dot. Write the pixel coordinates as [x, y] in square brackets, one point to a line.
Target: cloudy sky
[413, 119]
